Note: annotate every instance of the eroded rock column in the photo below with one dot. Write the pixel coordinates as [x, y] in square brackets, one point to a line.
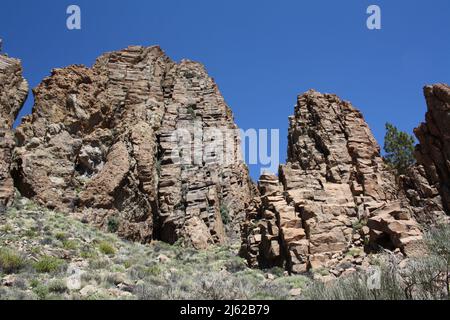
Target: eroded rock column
[13, 93]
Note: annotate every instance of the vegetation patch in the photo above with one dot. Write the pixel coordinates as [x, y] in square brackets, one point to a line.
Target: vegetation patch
[10, 261]
[48, 264]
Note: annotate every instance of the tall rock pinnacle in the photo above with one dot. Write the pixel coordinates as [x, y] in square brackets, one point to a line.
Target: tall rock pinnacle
[100, 144]
[13, 93]
[433, 152]
[335, 195]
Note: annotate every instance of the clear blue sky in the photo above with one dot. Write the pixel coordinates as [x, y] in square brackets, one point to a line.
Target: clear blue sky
[261, 53]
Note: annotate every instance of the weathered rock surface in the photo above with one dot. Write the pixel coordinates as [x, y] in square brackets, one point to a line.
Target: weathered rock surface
[13, 93]
[428, 183]
[100, 144]
[334, 183]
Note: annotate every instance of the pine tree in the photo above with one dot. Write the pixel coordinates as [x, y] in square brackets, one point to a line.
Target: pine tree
[399, 148]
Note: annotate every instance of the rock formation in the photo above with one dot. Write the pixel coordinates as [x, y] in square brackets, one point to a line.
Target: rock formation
[13, 92]
[147, 147]
[106, 143]
[428, 183]
[335, 195]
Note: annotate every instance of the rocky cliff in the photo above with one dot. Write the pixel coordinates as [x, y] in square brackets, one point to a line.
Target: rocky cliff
[428, 184]
[335, 198]
[147, 147]
[122, 145]
[13, 92]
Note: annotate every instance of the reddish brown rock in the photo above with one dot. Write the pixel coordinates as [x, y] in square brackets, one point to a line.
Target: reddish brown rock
[99, 144]
[13, 93]
[334, 182]
[433, 153]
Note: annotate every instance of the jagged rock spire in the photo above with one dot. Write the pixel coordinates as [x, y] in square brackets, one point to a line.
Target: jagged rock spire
[335, 195]
[13, 93]
[99, 145]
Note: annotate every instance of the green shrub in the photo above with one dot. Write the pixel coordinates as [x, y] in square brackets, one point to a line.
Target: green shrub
[113, 224]
[106, 248]
[127, 264]
[70, 244]
[180, 206]
[30, 233]
[154, 270]
[7, 228]
[158, 167]
[87, 253]
[98, 263]
[276, 271]
[10, 262]
[235, 264]
[225, 214]
[34, 283]
[399, 147]
[294, 282]
[48, 264]
[61, 236]
[358, 225]
[41, 291]
[57, 286]
[191, 112]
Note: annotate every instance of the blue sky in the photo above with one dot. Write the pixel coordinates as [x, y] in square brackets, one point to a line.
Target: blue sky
[261, 53]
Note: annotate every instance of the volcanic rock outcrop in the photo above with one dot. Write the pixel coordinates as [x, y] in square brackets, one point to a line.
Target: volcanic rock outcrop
[13, 93]
[147, 147]
[428, 183]
[335, 196]
[113, 144]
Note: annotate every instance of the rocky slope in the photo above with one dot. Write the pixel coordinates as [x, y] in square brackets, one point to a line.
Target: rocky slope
[335, 200]
[49, 255]
[13, 92]
[108, 143]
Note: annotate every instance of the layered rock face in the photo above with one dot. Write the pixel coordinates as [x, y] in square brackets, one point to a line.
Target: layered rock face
[114, 143]
[13, 93]
[335, 195]
[428, 183]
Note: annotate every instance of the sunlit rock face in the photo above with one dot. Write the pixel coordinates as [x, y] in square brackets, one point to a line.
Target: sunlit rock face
[100, 145]
[334, 197]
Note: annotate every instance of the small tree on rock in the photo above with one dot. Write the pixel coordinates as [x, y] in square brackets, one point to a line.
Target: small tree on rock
[399, 148]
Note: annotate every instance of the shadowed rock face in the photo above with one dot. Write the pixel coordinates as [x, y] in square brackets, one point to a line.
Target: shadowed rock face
[433, 151]
[13, 93]
[334, 196]
[99, 143]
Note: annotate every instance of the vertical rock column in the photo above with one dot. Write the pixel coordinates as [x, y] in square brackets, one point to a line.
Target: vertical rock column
[334, 182]
[13, 93]
[99, 144]
[433, 151]
[199, 191]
